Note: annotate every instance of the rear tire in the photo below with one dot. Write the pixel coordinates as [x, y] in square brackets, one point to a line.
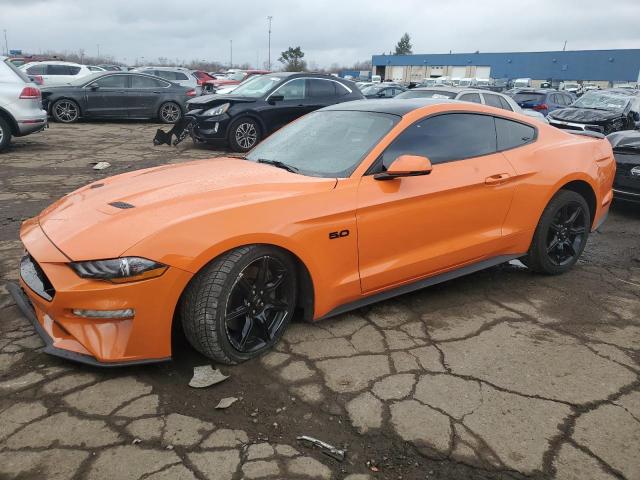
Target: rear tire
[65, 111]
[561, 234]
[169, 112]
[5, 134]
[240, 304]
[244, 134]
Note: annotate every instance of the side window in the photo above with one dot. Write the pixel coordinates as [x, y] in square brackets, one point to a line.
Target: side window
[37, 70]
[180, 76]
[341, 90]
[388, 92]
[492, 100]
[294, 90]
[555, 99]
[444, 138]
[57, 70]
[73, 70]
[112, 81]
[505, 104]
[167, 75]
[568, 100]
[321, 88]
[146, 82]
[513, 134]
[470, 97]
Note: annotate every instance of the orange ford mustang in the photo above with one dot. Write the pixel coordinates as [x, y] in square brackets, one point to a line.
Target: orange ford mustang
[349, 205]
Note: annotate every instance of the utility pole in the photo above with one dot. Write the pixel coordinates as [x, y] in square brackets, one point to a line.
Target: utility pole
[6, 44]
[230, 53]
[98, 45]
[565, 46]
[269, 18]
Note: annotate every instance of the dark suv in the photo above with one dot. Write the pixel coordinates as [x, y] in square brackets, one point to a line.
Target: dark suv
[543, 100]
[262, 105]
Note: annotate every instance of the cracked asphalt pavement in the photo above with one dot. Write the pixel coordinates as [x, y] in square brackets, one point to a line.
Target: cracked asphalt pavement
[501, 374]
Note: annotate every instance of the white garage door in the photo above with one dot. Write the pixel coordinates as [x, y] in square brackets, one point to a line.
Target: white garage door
[483, 72]
[396, 74]
[458, 72]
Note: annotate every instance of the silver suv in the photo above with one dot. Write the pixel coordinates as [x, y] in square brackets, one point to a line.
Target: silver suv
[179, 75]
[21, 110]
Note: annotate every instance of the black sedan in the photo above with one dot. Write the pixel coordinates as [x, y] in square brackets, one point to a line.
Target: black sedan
[626, 149]
[262, 105]
[382, 90]
[603, 111]
[117, 95]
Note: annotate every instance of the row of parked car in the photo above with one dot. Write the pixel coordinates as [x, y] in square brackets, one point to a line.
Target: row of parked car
[254, 104]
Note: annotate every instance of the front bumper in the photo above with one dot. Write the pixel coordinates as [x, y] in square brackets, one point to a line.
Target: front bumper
[207, 128]
[144, 338]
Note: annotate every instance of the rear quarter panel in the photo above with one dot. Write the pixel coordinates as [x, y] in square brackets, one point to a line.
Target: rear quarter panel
[544, 167]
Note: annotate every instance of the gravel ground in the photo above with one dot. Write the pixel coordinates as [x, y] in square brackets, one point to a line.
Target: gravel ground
[501, 374]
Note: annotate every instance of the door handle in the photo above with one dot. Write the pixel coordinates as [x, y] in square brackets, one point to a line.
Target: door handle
[497, 179]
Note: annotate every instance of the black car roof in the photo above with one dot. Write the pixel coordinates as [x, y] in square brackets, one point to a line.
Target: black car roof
[392, 106]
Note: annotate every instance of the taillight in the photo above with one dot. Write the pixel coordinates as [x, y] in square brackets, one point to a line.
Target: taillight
[542, 106]
[30, 93]
[191, 93]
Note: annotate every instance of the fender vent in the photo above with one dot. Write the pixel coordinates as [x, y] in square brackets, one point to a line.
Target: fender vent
[97, 185]
[122, 205]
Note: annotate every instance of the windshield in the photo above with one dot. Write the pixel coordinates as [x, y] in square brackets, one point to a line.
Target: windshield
[426, 94]
[257, 86]
[326, 143]
[602, 101]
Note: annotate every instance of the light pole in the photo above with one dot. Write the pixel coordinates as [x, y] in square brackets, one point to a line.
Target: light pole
[6, 44]
[269, 18]
[98, 45]
[230, 53]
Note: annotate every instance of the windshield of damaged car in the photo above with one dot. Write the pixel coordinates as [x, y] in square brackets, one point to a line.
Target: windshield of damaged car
[372, 89]
[328, 143]
[602, 101]
[257, 86]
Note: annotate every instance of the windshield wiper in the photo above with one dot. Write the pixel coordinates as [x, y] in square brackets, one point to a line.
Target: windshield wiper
[279, 164]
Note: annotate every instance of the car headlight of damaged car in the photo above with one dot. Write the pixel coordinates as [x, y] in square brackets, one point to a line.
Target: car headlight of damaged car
[218, 110]
[119, 270]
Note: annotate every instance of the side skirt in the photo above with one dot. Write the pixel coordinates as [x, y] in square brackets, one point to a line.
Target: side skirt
[422, 283]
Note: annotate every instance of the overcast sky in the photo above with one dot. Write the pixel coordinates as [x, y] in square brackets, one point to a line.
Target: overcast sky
[331, 31]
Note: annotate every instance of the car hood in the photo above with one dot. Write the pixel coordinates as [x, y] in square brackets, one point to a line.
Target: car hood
[215, 99]
[107, 217]
[584, 115]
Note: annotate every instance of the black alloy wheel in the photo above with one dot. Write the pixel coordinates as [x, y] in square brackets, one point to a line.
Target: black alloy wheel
[65, 111]
[244, 134]
[566, 233]
[258, 305]
[561, 234]
[240, 304]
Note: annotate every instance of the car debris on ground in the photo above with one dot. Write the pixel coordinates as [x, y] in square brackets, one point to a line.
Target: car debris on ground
[101, 165]
[324, 447]
[205, 375]
[226, 402]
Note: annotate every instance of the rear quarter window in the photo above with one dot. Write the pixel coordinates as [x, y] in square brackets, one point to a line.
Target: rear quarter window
[512, 134]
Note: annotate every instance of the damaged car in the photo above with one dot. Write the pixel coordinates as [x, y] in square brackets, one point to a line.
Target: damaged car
[626, 148]
[602, 111]
[262, 105]
[349, 205]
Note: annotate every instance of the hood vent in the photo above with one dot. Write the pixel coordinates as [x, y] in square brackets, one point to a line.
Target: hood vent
[122, 205]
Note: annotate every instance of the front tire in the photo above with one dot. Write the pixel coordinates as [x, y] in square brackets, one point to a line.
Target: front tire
[65, 111]
[561, 234]
[5, 134]
[240, 304]
[169, 112]
[244, 134]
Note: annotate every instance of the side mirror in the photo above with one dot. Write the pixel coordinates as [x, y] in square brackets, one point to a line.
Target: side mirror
[380, 94]
[406, 166]
[94, 87]
[636, 116]
[276, 98]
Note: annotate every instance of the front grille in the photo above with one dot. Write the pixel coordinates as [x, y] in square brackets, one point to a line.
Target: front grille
[35, 278]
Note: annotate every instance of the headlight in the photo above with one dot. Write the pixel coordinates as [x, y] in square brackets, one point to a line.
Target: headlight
[119, 270]
[219, 110]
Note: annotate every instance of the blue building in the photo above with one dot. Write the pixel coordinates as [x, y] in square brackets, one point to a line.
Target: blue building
[602, 66]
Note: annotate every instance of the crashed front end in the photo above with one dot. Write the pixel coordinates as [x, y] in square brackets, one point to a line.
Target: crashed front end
[92, 321]
[626, 149]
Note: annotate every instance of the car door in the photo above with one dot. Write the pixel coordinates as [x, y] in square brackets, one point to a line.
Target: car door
[414, 227]
[145, 95]
[107, 96]
[292, 105]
